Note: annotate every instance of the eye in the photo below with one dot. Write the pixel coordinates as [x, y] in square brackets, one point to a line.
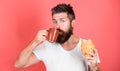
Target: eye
[62, 20]
[54, 21]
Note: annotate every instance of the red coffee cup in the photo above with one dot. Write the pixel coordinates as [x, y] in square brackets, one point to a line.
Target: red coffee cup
[53, 34]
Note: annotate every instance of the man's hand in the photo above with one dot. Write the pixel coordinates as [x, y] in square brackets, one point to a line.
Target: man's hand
[41, 36]
[90, 54]
[93, 61]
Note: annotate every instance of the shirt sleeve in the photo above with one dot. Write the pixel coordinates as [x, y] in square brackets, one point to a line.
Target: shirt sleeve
[39, 51]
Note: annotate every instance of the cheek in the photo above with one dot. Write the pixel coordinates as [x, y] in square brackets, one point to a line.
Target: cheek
[66, 28]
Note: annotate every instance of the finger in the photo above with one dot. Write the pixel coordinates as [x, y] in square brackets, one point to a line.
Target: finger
[89, 53]
[43, 32]
[96, 53]
[92, 61]
[90, 58]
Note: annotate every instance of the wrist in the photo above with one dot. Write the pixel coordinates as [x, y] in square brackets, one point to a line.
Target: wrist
[32, 45]
[93, 67]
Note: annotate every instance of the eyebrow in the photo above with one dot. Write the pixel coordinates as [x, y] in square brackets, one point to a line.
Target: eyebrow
[53, 19]
[60, 18]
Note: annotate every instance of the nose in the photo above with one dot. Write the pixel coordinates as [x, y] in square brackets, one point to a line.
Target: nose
[57, 26]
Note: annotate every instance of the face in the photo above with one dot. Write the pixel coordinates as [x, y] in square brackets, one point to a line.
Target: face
[62, 22]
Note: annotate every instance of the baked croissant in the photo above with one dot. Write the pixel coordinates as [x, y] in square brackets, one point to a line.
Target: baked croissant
[87, 47]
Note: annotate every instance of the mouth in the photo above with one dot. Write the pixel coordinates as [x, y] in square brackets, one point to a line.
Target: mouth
[60, 31]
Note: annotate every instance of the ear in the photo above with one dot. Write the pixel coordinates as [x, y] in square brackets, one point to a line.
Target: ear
[73, 21]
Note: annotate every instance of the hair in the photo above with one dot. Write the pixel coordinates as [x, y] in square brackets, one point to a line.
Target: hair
[67, 8]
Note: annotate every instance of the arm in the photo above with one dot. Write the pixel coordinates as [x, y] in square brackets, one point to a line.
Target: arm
[26, 57]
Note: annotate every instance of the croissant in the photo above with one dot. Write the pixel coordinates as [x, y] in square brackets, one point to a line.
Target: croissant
[87, 46]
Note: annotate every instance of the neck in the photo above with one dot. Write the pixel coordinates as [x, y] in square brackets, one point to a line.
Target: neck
[70, 43]
[72, 39]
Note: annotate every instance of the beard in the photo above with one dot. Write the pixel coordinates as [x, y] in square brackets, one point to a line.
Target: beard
[64, 36]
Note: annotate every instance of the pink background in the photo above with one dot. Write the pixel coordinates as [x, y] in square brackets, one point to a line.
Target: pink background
[96, 19]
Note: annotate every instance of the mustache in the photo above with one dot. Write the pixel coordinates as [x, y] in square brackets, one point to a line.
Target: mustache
[60, 31]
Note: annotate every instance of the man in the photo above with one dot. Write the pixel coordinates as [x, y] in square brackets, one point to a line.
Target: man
[63, 55]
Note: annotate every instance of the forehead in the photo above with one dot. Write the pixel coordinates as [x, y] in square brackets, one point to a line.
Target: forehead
[60, 15]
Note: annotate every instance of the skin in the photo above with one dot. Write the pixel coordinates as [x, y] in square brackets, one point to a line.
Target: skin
[61, 21]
